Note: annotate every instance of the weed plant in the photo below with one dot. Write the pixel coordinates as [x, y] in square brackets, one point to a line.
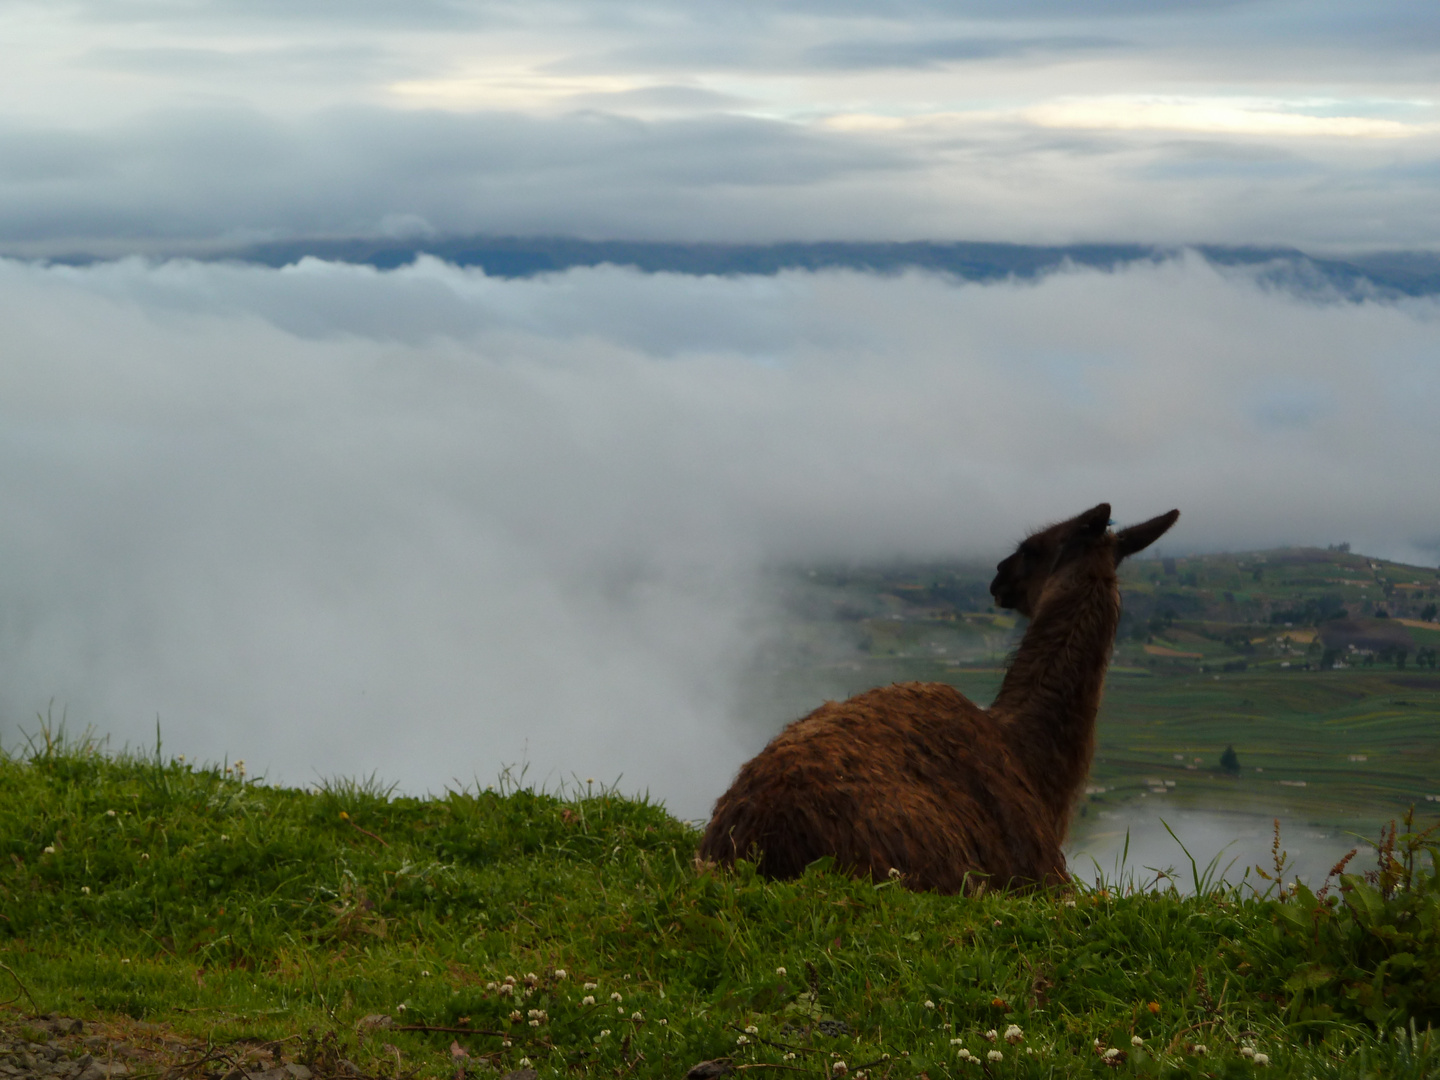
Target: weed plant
[495, 929]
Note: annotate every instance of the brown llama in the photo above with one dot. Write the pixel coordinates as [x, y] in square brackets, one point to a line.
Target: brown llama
[915, 778]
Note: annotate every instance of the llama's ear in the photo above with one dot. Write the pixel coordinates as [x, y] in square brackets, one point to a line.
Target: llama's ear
[1139, 537]
[1095, 520]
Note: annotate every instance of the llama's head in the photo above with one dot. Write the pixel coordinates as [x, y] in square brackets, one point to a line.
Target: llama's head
[1021, 578]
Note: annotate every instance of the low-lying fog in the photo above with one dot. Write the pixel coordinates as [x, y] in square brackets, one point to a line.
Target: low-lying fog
[423, 523]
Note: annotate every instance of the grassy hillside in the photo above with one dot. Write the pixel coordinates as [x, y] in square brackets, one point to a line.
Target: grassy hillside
[1214, 651]
[200, 921]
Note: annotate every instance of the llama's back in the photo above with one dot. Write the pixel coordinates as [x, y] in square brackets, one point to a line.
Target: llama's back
[912, 776]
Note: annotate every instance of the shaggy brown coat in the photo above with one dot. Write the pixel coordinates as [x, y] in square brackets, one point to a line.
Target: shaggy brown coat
[915, 778]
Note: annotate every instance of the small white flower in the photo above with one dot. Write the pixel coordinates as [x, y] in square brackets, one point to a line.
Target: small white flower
[995, 1055]
[224, 838]
[561, 973]
[1262, 1059]
[144, 856]
[780, 971]
[424, 974]
[1136, 1040]
[620, 1010]
[616, 997]
[604, 1032]
[507, 988]
[125, 960]
[109, 813]
[929, 1004]
[400, 1007]
[490, 986]
[741, 1040]
[588, 999]
[510, 979]
[787, 1056]
[531, 978]
[637, 1015]
[534, 1023]
[752, 1030]
[664, 1023]
[992, 1035]
[956, 1042]
[591, 986]
[1247, 1051]
[506, 1043]
[537, 1014]
[50, 849]
[1097, 1044]
[1200, 1048]
[516, 1016]
[1069, 903]
[839, 1068]
[894, 873]
[1013, 1034]
[524, 1063]
[85, 890]
[1111, 1054]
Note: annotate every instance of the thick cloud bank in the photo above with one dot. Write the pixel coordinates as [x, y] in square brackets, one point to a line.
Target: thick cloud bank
[422, 522]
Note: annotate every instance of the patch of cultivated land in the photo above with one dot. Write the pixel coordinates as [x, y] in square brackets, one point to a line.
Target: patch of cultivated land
[1315, 665]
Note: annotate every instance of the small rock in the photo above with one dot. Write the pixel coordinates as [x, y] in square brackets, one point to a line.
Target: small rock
[709, 1070]
[298, 1071]
[374, 1020]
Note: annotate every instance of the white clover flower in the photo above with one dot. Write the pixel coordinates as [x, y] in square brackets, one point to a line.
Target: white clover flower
[524, 1062]
[85, 890]
[400, 1007]
[561, 973]
[507, 988]
[956, 1042]
[144, 856]
[588, 999]
[615, 997]
[516, 1016]
[109, 813]
[424, 974]
[664, 1023]
[1262, 1059]
[787, 1056]
[490, 986]
[620, 1010]
[506, 1043]
[1136, 1040]
[50, 849]
[224, 838]
[1111, 1054]
[510, 979]
[534, 1023]
[894, 873]
[538, 1014]
[839, 1068]
[751, 1029]
[531, 978]
[125, 960]
[779, 971]
[591, 986]
[1097, 1045]
[1247, 1051]
[992, 1034]
[1199, 1048]
[603, 1033]
[1069, 903]
[929, 1004]
[995, 1055]
[741, 1040]
[1013, 1034]
[637, 1015]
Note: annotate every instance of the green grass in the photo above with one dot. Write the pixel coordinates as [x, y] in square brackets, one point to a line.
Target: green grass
[195, 897]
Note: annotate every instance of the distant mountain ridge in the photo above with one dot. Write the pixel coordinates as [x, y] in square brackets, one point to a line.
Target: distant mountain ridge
[1389, 274]
[1401, 273]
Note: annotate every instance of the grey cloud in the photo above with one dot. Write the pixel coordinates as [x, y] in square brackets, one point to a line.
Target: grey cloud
[661, 98]
[290, 510]
[863, 54]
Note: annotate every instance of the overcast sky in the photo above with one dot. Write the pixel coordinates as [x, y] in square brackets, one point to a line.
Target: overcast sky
[1308, 122]
[335, 520]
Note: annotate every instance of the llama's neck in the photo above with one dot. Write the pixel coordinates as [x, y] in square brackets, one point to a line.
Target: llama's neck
[1051, 693]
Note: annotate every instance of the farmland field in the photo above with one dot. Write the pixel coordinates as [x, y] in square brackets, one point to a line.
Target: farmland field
[1214, 651]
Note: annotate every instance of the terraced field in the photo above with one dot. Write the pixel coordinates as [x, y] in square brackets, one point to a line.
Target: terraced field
[1215, 651]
